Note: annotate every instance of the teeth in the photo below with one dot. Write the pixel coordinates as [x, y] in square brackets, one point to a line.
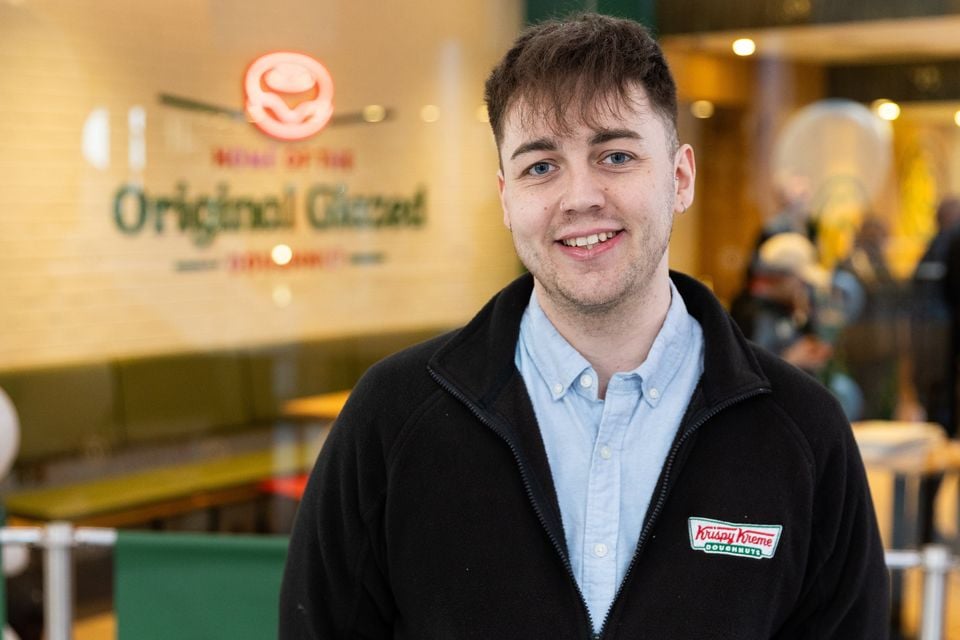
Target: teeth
[589, 241]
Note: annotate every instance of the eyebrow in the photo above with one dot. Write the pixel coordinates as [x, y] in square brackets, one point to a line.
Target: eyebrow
[540, 144]
[606, 135]
[600, 137]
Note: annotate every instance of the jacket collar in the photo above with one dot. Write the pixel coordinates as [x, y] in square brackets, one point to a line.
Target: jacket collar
[479, 359]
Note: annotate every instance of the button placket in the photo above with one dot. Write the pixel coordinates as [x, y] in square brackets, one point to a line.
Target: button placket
[602, 523]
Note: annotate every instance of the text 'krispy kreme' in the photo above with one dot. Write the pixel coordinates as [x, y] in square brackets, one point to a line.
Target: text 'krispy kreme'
[747, 540]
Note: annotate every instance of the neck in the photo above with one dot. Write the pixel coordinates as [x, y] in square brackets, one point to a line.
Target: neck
[614, 339]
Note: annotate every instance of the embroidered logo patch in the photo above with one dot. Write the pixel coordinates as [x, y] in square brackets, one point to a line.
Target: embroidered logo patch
[747, 540]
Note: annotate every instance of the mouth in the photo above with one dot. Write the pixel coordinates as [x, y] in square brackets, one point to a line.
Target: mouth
[589, 241]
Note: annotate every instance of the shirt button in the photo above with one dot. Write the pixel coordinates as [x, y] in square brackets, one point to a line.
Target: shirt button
[600, 550]
[605, 452]
[558, 388]
[586, 381]
[654, 394]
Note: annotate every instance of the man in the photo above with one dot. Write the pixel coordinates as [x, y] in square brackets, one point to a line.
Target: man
[598, 453]
[934, 340]
[931, 315]
[776, 308]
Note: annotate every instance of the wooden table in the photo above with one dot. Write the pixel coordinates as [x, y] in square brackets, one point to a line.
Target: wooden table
[324, 406]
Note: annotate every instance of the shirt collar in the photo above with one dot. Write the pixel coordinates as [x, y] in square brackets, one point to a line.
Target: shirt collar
[560, 365]
[668, 351]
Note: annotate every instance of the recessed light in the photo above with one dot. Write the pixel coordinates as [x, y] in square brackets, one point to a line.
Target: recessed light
[886, 109]
[744, 46]
[702, 109]
[374, 113]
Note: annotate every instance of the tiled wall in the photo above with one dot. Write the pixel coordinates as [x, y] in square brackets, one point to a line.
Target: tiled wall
[73, 287]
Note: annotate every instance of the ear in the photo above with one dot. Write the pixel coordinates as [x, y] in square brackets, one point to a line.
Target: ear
[503, 202]
[684, 173]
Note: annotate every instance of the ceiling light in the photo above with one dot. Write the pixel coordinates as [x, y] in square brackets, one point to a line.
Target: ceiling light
[702, 109]
[281, 254]
[886, 109]
[374, 113]
[956, 118]
[744, 47]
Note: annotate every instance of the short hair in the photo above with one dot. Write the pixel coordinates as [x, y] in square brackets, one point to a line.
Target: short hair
[592, 58]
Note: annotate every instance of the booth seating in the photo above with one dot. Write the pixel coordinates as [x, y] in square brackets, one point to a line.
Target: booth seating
[156, 493]
[101, 410]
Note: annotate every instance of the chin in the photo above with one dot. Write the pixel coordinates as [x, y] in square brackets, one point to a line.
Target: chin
[590, 303]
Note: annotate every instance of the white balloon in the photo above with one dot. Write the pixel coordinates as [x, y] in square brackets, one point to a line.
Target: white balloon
[9, 433]
[836, 142]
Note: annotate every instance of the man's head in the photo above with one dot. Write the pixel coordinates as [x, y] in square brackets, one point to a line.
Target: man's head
[591, 174]
[562, 71]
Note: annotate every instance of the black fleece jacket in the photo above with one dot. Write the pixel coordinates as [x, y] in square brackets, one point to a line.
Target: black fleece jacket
[431, 513]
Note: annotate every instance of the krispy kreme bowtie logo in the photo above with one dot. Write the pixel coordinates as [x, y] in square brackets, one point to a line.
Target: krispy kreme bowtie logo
[289, 95]
[727, 538]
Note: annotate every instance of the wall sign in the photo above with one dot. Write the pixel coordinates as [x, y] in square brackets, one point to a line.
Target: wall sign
[202, 216]
[288, 95]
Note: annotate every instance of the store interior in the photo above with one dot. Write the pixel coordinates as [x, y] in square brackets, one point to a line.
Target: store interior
[177, 277]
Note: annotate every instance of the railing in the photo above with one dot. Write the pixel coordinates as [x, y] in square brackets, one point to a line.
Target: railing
[936, 562]
[58, 538]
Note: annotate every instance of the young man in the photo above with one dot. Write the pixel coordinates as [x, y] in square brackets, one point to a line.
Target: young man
[598, 453]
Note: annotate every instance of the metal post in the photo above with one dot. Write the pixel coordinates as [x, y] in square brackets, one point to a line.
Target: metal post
[936, 563]
[58, 581]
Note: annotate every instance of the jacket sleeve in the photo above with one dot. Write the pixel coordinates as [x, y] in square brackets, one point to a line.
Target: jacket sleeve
[846, 593]
[334, 584]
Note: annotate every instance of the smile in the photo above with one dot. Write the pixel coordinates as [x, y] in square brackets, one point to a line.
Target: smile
[589, 241]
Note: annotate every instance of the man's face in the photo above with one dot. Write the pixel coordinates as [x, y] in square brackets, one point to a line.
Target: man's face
[591, 209]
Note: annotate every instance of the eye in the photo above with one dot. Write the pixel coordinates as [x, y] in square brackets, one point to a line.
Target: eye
[617, 158]
[540, 169]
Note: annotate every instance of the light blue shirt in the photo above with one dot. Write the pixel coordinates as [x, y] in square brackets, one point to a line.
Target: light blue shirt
[606, 455]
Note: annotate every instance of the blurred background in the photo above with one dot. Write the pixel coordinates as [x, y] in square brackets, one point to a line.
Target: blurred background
[214, 215]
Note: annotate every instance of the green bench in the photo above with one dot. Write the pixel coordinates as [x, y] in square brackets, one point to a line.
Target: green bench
[153, 494]
[99, 409]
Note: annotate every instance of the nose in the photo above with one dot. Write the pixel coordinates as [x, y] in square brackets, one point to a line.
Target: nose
[582, 191]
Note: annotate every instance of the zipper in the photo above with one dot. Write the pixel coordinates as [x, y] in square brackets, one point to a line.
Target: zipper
[662, 496]
[560, 549]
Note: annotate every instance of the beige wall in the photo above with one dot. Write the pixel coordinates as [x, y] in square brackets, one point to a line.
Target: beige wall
[76, 288]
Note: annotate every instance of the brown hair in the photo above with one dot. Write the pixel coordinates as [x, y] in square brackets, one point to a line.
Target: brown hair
[591, 58]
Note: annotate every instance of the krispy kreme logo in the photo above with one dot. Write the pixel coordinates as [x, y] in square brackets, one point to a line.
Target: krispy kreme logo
[728, 538]
[289, 95]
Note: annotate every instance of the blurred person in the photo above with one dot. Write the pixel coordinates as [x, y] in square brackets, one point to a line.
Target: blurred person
[599, 452]
[775, 308]
[931, 367]
[792, 307]
[871, 345]
[930, 322]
